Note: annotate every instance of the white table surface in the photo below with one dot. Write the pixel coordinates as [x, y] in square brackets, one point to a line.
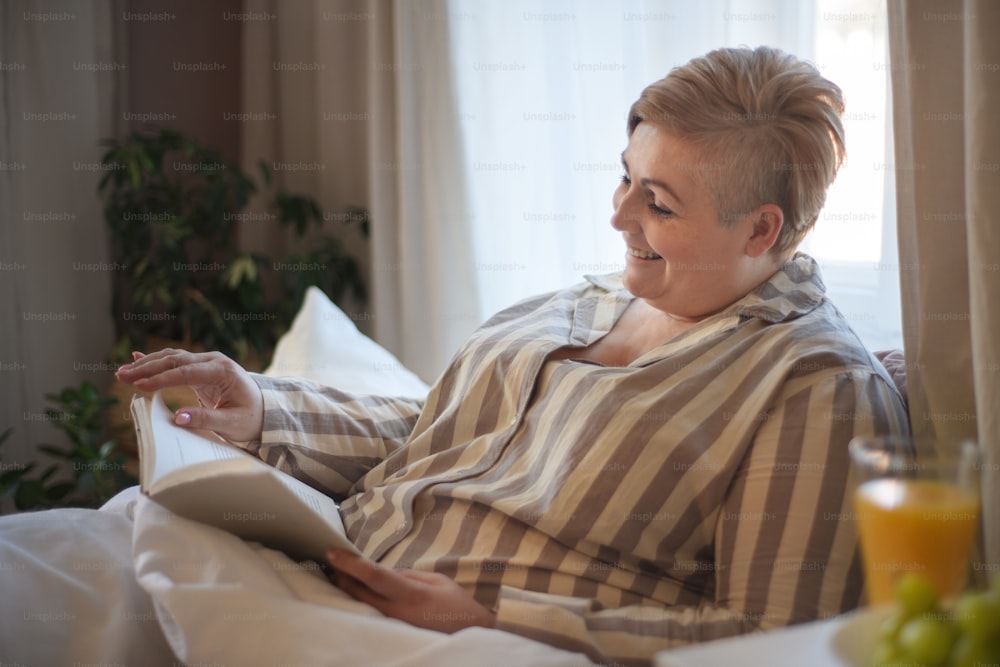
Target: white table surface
[842, 641]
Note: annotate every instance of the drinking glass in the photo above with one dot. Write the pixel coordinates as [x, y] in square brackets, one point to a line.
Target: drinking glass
[915, 513]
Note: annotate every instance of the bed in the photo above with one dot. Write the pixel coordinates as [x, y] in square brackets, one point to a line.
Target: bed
[134, 584]
[205, 597]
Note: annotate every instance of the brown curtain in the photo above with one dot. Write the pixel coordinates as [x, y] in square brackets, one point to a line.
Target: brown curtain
[60, 95]
[945, 69]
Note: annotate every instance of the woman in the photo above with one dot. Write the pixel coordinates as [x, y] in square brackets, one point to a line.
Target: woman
[647, 459]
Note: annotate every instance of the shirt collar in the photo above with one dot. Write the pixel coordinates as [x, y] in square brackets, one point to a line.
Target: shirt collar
[794, 290]
[612, 282]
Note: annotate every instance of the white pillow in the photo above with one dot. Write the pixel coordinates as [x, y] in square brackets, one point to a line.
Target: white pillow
[325, 346]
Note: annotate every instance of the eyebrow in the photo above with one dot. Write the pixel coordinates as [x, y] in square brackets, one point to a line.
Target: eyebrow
[646, 182]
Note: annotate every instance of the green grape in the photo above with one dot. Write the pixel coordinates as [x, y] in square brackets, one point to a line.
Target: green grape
[915, 593]
[926, 640]
[920, 632]
[889, 630]
[967, 652]
[963, 653]
[886, 653]
[978, 616]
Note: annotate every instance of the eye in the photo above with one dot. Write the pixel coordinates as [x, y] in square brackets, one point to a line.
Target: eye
[662, 212]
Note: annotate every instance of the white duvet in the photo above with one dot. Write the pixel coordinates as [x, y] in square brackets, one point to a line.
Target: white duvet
[136, 585]
[133, 584]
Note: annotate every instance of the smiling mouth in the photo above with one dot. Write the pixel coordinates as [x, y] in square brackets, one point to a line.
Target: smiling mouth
[643, 254]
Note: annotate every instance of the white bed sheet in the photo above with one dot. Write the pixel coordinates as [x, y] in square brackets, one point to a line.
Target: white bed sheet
[217, 599]
[68, 578]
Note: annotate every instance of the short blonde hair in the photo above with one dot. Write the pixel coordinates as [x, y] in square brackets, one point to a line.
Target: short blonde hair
[768, 126]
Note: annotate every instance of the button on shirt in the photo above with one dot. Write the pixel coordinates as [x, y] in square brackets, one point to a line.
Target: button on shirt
[699, 492]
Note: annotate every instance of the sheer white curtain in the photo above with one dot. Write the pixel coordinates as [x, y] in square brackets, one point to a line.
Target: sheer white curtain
[425, 287]
[360, 94]
[544, 92]
[544, 89]
[485, 136]
[855, 237]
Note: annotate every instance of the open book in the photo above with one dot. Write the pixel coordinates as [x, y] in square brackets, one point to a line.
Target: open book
[198, 475]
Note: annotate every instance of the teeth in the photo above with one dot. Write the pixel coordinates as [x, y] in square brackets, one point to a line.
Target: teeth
[643, 254]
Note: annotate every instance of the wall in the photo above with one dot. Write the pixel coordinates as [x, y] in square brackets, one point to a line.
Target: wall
[184, 60]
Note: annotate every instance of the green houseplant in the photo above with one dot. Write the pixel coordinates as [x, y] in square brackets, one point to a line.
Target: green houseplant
[174, 207]
[97, 471]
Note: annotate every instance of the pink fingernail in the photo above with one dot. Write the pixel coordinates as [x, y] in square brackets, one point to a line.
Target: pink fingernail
[182, 418]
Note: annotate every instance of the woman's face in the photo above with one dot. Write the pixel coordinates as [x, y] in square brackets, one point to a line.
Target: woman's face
[680, 259]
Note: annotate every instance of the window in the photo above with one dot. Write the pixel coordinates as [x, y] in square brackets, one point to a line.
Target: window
[543, 92]
[855, 238]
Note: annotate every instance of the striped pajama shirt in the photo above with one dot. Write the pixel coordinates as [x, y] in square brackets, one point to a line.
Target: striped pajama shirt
[699, 492]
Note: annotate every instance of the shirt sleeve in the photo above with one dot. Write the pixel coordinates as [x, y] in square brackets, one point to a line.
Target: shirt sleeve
[328, 438]
[785, 544]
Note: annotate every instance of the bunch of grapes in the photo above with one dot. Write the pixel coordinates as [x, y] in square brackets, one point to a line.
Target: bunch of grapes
[922, 632]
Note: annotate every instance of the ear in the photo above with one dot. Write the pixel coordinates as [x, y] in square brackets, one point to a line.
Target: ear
[766, 221]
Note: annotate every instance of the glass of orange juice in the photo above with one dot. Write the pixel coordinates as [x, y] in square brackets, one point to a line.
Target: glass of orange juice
[915, 513]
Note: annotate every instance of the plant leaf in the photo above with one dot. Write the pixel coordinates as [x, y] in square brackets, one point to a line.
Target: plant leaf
[243, 268]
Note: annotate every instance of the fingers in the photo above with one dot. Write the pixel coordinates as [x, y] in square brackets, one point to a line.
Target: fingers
[141, 358]
[358, 591]
[229, 423]
[424, 599]
[388, 584]
[196, 374]
[237, 424]
[231, 402]
[140, 368]
[150, 366]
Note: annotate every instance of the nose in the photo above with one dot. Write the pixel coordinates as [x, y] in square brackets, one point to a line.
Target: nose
[625, 216]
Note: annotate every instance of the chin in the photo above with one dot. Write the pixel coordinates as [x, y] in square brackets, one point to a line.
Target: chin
[640, 287]
[630, 283]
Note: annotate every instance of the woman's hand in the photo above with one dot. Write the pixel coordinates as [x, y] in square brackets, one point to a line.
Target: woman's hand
[231, 402]
[424, 599]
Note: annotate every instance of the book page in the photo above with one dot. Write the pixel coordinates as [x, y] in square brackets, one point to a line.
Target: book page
[310, 496]
[198, 475]
[178, 447]
[262, 507]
